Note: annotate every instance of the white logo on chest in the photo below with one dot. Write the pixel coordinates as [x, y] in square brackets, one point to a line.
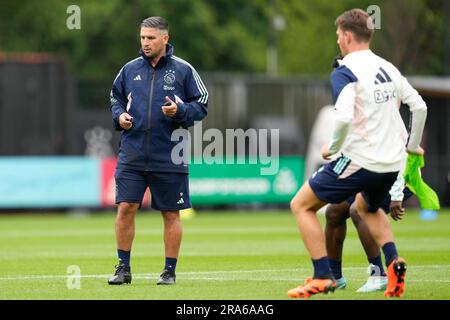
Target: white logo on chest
[169, 79]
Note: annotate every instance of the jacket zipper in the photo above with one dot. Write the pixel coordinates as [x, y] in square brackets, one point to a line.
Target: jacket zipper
[149, 119]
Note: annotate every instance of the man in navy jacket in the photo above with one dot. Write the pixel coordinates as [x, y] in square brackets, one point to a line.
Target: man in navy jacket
[152, 96]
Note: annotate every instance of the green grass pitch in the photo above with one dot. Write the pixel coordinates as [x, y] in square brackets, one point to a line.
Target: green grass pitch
[246, 255]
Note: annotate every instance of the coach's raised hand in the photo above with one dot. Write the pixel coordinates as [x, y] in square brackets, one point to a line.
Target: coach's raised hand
[169, 108]
[125, 121]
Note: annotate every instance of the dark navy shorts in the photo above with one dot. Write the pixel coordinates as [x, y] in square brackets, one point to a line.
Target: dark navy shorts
[340, 179]
[169, 190]
[387, 201]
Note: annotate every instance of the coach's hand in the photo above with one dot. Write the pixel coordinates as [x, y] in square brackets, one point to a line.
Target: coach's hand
[325, 152]
[397, 211]
[125, 121]
[169, 108]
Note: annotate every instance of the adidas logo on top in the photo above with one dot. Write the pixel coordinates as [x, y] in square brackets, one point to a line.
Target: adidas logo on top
[138, 77]
[382, 77]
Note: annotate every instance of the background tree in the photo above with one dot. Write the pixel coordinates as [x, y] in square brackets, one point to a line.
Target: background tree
[222, 35]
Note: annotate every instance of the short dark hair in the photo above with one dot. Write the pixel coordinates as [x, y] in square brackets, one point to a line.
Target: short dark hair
[357, 21]
[155, 22]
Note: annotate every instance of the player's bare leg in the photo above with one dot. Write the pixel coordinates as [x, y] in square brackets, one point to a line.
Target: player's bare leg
[377, 280]
[368, 242]
[172, 233]
[335, 232]
[336, 229]
[377, 222]
[172, 241]
[304, 207]
[125, 229]
[381, 231]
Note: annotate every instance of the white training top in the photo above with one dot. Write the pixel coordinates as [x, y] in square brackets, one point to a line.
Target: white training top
[368, 92]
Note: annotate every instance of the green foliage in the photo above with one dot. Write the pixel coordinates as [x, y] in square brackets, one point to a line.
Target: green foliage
[221, 35]
[309, 41]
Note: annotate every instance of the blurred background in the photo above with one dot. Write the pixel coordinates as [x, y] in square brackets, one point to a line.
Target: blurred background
[266, 64]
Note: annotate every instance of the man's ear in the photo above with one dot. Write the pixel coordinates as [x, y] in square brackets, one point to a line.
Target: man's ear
[166, 38]
[348, 36]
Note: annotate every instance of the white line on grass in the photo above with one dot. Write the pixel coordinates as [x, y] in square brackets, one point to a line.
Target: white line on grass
[225, 274]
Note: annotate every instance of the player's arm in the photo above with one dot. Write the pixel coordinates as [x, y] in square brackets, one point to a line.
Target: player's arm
[195, 108]
[339, 134]
[418, 109]
[343, 84]
[120, 118]
[396, 193]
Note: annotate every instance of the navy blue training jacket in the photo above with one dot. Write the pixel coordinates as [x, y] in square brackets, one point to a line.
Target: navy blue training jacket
[140, 90]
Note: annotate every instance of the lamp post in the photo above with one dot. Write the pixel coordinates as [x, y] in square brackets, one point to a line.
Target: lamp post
[278, 24]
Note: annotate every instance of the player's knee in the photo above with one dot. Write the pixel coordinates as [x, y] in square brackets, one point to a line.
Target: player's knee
[336, 214]
[295, 205]
[292, 205]
[333, 216]
[355, 216]
[171, 217]
[359, 205]
[127, 210]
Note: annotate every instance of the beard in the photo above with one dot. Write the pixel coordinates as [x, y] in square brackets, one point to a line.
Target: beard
[153, 54]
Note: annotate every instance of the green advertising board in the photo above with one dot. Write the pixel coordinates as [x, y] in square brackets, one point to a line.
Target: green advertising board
[216, 184]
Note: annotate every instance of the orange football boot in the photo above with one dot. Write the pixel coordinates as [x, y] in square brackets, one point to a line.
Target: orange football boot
[396, 278]
[311, 287]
